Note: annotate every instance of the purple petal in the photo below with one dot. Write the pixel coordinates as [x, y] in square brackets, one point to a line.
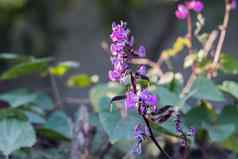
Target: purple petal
[182, 12]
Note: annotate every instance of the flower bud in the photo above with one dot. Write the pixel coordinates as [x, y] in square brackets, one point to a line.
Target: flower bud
[182, 12]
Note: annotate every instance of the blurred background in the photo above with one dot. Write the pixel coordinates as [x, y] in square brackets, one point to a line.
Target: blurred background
[76, 29]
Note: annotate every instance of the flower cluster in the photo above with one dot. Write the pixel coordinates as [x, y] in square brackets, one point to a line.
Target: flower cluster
[183, 10]
[122, 51]
[143, 99]
[138, 98]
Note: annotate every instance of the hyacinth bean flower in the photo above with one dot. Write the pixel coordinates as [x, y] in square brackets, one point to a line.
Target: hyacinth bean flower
[183, 10]
[233, 4]
[139, 98]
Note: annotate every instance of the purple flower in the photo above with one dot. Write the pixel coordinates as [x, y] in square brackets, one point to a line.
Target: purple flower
[233, 4]
[120, 66]
[141, 51]
[120, 39]
[182, 12]
[140, 134]
[142, 70]
[148, 98]
[113, 75]
[195, 5]
[131, 99]
[117, 48]
[120, 32]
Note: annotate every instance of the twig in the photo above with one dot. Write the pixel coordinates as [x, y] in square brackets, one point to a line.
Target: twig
[211, 39]
[188, 85]
[190, 51]
[55, 91]
[223, 29]
[190, 33]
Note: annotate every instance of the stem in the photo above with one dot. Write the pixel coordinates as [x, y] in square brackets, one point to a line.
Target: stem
[190, 33]
[190, 51]
[189, 84]
[152, 137]
[56, 91]
[223, 28]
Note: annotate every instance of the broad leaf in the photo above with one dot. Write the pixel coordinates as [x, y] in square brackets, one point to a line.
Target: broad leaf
[166, 97]
[221, 132]
[231, 143]
[18, 97]
[12, 113]
[229, 115]
[229, 64]
[26, 68]
[117, 127]
[205, 89]
[43, 101]
[104, 90]
[35, 118]
[15, 134]
[58, 126]
[230, 87]
[200, 116]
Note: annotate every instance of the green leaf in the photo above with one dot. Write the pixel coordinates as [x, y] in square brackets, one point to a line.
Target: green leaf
[221, 132]
[166, 97]
[229, 116]
[82, 80]
[200, 116]
[230, 87]
[35, 118]
[167, 128]
[205, 89]
[12, 113]
[231, 143]
[229, 64]
[29, 67]
[18, 97]
[43, 101]
[101, 90]
[57, 126]
[15, 134]
[63, 67]
[117, 127]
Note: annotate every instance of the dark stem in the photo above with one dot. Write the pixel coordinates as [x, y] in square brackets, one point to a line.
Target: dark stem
[152, 137]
